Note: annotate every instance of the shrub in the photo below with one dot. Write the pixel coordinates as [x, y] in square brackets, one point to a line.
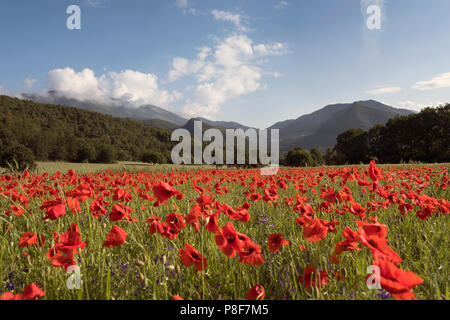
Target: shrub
[154, 157]
[105, 154]
[16, 157]
[299, 158]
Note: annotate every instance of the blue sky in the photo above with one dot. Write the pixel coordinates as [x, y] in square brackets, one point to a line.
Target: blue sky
[251, 61]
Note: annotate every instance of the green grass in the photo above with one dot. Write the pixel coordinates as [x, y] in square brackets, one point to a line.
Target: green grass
[154, 270]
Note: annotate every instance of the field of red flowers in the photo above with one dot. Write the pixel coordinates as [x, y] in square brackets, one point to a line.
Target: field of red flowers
[360, 232]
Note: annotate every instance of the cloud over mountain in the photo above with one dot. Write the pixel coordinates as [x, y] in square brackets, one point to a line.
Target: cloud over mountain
[113, 88]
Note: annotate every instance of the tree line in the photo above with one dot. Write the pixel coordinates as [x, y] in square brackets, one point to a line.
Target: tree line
[419, 137]
[31, 131]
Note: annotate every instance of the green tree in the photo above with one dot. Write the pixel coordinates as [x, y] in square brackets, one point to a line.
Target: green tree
[298, 157]
[330, 157]
[105, 154]
[16, 157]
[317, 157]
[154, 157]
[352, 146]
[84, 152]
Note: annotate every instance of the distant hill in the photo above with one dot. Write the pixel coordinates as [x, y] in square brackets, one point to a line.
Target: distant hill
[121, 111]
[71, 134]
[149, 114]
[224, 124]
[320, 128]
[158, 123]
[189, 126]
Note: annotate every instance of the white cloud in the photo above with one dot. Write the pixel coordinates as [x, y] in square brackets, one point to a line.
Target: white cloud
[29, 83]
[194, 109]
[236, 19]
[440, 81]
[231, 83]
[384, 90]
[270, 49]
[411, 105]
[229, 70]
[234, 51]
[182, 67]
[185, 6]
[132, 87]
[280, 5]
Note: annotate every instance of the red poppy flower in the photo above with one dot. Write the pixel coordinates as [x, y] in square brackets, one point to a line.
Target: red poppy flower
[189, 255]
[163, 191]
[66, 245]
[53, 209]
[379, 247]
[31, 292]
[122, 194]
[405, 207]
[312, 278]
[175, 222]
[255, 196]
[335, 259]
[18, 211]
[30, 238]
[251, 254]
[115, 237]
[120, 211]
[155, 225]
[98, 207]
[228, 241]
[315, 231]
[275, 241]
[396, 281]
[373, 227]
[256, 293]
[374, 172]
[346, 245]
[177, 297]
[358, 210]
[212, 222]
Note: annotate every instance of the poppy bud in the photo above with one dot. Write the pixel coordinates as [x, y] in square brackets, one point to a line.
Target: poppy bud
[139, 263]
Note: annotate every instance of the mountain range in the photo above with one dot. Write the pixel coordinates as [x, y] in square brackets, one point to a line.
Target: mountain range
[318, 129]
[122, 110]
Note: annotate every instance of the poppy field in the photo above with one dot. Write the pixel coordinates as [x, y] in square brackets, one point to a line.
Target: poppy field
[304, 233]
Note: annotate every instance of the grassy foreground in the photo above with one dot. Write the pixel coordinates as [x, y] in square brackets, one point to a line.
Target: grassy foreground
[148, 266]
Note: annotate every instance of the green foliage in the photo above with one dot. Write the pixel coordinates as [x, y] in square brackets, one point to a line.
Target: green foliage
[59, 133]
[317, 157]
[418, 137]
[105, 154]
[352, 146]
[84, 152]
[154, 157]
[298, 157]
[16, 157]
[330, 157]
[421, 137]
